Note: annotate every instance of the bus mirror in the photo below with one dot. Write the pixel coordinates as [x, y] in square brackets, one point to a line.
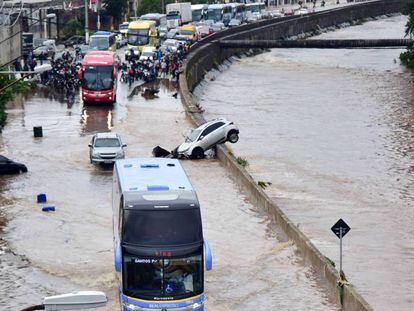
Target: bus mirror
[80, 73]
[114, 73]
[118, 258]
[208, 257]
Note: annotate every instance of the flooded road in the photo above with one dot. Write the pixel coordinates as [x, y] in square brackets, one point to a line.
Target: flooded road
[333, 131]
[42, 254]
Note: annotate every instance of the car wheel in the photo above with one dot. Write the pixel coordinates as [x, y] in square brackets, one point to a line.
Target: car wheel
[198, 153]
[233, 137]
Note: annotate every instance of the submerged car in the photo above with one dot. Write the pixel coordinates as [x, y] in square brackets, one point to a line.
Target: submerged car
[206, 136]
[106, 148]
[8, 166]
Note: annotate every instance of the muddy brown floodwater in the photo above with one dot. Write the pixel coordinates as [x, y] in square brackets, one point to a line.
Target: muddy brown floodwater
[255, 267]
[333, 131]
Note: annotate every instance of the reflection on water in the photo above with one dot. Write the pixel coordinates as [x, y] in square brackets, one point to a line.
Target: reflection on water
[333, 130]
[96, 119]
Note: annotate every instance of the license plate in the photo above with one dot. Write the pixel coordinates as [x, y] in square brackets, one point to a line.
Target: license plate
[108, 161]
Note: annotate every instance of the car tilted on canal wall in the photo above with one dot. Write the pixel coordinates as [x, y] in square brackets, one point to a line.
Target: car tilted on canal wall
[207, 54]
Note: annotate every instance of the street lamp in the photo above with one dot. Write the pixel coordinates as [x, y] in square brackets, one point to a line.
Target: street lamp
[47, 20]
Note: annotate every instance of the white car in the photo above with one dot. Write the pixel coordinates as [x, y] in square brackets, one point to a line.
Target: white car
[134, 51]
[148, 53]
[106, 148]
[206, 136]
[301, 11]
[170, 44]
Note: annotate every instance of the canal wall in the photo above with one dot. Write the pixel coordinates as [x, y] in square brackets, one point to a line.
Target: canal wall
[207, 55]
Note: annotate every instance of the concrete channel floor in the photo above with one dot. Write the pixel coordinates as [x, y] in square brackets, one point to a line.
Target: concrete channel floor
[71, 249]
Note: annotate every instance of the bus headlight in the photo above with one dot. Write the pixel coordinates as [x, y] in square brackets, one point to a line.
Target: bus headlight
[130, 306]
[196, 305]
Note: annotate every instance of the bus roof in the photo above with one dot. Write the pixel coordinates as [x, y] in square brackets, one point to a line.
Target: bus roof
[216, 6]
[152, 174]
[199, 6]
[98, 58]
[140, 24]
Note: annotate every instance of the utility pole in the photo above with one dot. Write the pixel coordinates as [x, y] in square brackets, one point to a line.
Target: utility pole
[86, 23]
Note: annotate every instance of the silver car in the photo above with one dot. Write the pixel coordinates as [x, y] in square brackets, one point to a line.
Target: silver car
[206, 136]
[106, 148]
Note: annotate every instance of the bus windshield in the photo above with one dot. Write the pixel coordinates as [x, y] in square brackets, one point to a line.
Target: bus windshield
[97, 78]
[150, 278]
[99, 43]
[214, 14]
[155, 228]
[197, 15]
[138, 37]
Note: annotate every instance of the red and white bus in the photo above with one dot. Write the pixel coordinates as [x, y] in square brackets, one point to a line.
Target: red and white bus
[98, 76]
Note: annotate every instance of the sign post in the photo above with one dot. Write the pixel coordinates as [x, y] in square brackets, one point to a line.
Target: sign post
[340, 229]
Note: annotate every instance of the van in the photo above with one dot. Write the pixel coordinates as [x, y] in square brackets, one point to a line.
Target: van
[189, 32]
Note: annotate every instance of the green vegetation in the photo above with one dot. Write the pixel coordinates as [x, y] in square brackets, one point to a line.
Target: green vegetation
[8, 93]
[73, 28]
[407, 57]
[116, 8]
[242, 161]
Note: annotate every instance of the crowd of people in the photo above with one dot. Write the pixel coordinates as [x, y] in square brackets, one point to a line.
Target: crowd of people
[163, 64]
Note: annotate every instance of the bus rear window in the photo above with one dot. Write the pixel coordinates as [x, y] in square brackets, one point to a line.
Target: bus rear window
[162, 227]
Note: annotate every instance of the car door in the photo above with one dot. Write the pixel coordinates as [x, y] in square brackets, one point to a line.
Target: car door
[209, 136]
[91, 148]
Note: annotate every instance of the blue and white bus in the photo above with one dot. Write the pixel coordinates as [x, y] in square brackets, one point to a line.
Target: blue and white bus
[160, 251]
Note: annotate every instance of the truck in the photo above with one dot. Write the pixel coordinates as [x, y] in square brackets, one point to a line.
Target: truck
[178, 14]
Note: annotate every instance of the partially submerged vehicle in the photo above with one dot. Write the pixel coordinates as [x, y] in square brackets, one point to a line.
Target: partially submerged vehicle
[202, 139]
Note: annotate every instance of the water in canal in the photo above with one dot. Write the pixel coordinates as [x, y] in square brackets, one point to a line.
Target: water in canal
[42, 254]
[333, 130]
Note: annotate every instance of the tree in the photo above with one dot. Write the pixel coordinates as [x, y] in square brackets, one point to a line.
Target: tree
[72, 28]
[115, 8]
[407, 57]
[7, 93]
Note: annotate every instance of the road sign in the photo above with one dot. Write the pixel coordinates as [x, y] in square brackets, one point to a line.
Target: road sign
[336, 228]
[340, 229]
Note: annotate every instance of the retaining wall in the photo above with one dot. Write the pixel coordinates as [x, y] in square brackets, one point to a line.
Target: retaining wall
[207, 54]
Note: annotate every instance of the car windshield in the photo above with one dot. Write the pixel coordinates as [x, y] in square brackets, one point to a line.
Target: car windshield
[107, 142]
[123, 27]
[3, 159]
[99, 43]
[97, 78]
[138, 37]
[153, 227]
[193, 136]
[152, 278]
[197, 16]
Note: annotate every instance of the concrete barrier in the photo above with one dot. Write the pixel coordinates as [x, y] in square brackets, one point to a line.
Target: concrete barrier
[207, 55]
